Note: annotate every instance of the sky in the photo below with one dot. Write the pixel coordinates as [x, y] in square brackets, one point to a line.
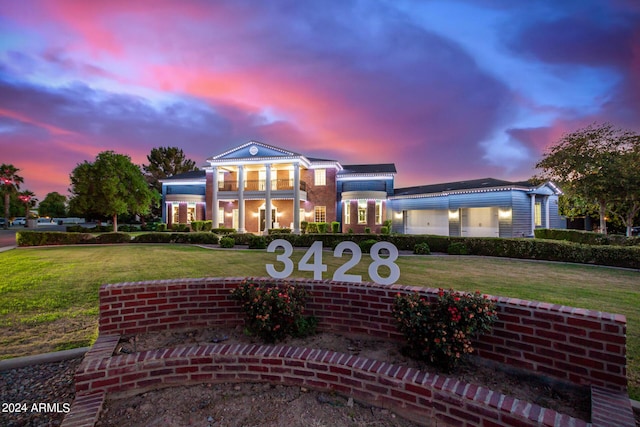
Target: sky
[447, 90]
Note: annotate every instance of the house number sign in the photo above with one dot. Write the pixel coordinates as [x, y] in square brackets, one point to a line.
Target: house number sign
[312, 261]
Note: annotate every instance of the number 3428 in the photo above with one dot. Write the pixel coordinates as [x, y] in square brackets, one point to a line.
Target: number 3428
[312, 261]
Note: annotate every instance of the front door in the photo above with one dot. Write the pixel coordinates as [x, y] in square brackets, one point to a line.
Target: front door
[263, 218]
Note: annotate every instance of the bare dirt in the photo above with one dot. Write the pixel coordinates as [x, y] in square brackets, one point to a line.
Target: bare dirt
[277, 405]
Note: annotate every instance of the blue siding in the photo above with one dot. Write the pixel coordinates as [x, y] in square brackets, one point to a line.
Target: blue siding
[198, 190]
[521, 214]
[480, 200]
[555, 219]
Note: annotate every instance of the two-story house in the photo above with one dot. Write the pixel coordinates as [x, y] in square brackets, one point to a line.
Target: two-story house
[255, 187]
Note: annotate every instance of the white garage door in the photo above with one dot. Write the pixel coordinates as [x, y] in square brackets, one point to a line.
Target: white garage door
[428, 222]
[480, 222]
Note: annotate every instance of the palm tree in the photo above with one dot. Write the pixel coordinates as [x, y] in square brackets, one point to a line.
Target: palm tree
[10, 181]
[28, 198]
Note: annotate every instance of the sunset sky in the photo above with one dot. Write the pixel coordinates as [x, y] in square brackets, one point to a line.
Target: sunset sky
[446, 90]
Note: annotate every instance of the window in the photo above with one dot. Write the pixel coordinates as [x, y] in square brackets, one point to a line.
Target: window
[378, 211]
[362, 211]
[176, 214]
[347, 212]
[320, 213]
[538, 215]
[191, 213]
[220, 180]
[220, 217]
[320, 176]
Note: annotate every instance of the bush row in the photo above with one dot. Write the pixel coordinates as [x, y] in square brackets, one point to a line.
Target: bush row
[586, 237]
[549, 250]
[43, 238]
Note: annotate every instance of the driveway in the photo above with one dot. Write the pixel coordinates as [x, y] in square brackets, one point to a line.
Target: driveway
[8, 238]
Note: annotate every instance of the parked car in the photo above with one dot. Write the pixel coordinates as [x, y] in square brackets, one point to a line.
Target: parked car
[20, 221]
[635, 231]
[3, 221]
[44, 221]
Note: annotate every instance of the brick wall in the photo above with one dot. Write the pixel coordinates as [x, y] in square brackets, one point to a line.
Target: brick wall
[537, 336]
[580, 346]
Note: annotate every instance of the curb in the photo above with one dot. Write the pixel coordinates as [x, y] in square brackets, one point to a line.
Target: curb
[57, 356]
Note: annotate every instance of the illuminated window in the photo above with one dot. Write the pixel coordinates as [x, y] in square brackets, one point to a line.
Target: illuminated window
[347, 212]
[362, 211]
[191, 213]
[320, 213]
[321, 177]
[220, 180]
[538, 214]
[176, 214]
[220, 217]
[378, 211]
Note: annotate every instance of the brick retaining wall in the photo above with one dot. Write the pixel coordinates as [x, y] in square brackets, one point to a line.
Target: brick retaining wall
[574, 345]
[580, 346]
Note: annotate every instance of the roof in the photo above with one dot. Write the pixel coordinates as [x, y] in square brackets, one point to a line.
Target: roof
[473, 184]
[379, 168]
[199, 174]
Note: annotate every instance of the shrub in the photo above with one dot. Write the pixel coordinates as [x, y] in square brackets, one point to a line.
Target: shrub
[157, 237]
[41, 238]
[365, 245]
[585, 237]
[161, 227]
[384, 230]
[350, 231]
[303, 226]
[201, 237]
[227, 242]
[422, 249]
[322, 227]
[457, 248]
[180, 228]
[257, 242]
[335, 227]
[387, 223]
[274, 311]
[367, 230]
[197, 225]
[113, 238]
[279, 231]
[312, 227]
[223, 230]
[440, 332]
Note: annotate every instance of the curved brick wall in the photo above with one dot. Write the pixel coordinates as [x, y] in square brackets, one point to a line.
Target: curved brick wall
[575, 345]
[580, 346]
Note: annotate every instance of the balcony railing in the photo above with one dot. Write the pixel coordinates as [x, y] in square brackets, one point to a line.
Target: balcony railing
[261, 185]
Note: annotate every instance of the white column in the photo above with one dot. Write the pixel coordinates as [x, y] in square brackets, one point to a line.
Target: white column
[296, 198]
[215, 221]
[546, 212]
[533, 214]
[241, 228]
[267, 201]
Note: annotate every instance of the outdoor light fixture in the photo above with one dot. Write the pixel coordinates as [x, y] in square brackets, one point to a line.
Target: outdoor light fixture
[398, 215]
[504, 214]
[454, 214]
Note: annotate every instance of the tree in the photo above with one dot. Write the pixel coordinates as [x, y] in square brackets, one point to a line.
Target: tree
[53, 205]
[28, 198]
[588, 164]
[110, 186]
[165, 162]
[625, 197]
[10, 181]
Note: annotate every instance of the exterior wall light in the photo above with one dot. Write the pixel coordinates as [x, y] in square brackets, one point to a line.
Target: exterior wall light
[454, 214]
[504, 213]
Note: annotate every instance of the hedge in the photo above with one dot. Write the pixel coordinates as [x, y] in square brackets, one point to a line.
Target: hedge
[586, 237]
[549, 250]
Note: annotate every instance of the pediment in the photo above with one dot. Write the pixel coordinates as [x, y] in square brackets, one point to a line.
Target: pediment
[253, 150]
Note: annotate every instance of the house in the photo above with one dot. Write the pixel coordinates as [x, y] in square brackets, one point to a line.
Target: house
[256, 187]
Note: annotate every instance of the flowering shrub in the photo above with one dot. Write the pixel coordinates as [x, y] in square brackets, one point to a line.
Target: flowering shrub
[274, 311]
[441, 332]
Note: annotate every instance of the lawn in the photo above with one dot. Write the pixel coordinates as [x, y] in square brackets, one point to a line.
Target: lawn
[49, 296]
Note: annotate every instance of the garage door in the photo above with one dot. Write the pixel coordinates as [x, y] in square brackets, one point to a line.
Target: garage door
[480, 222]
[428, 222]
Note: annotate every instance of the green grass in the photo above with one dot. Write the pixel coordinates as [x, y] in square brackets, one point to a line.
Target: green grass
[49, 296]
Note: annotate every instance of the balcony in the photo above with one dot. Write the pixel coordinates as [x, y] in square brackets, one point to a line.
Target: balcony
[261, 185]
